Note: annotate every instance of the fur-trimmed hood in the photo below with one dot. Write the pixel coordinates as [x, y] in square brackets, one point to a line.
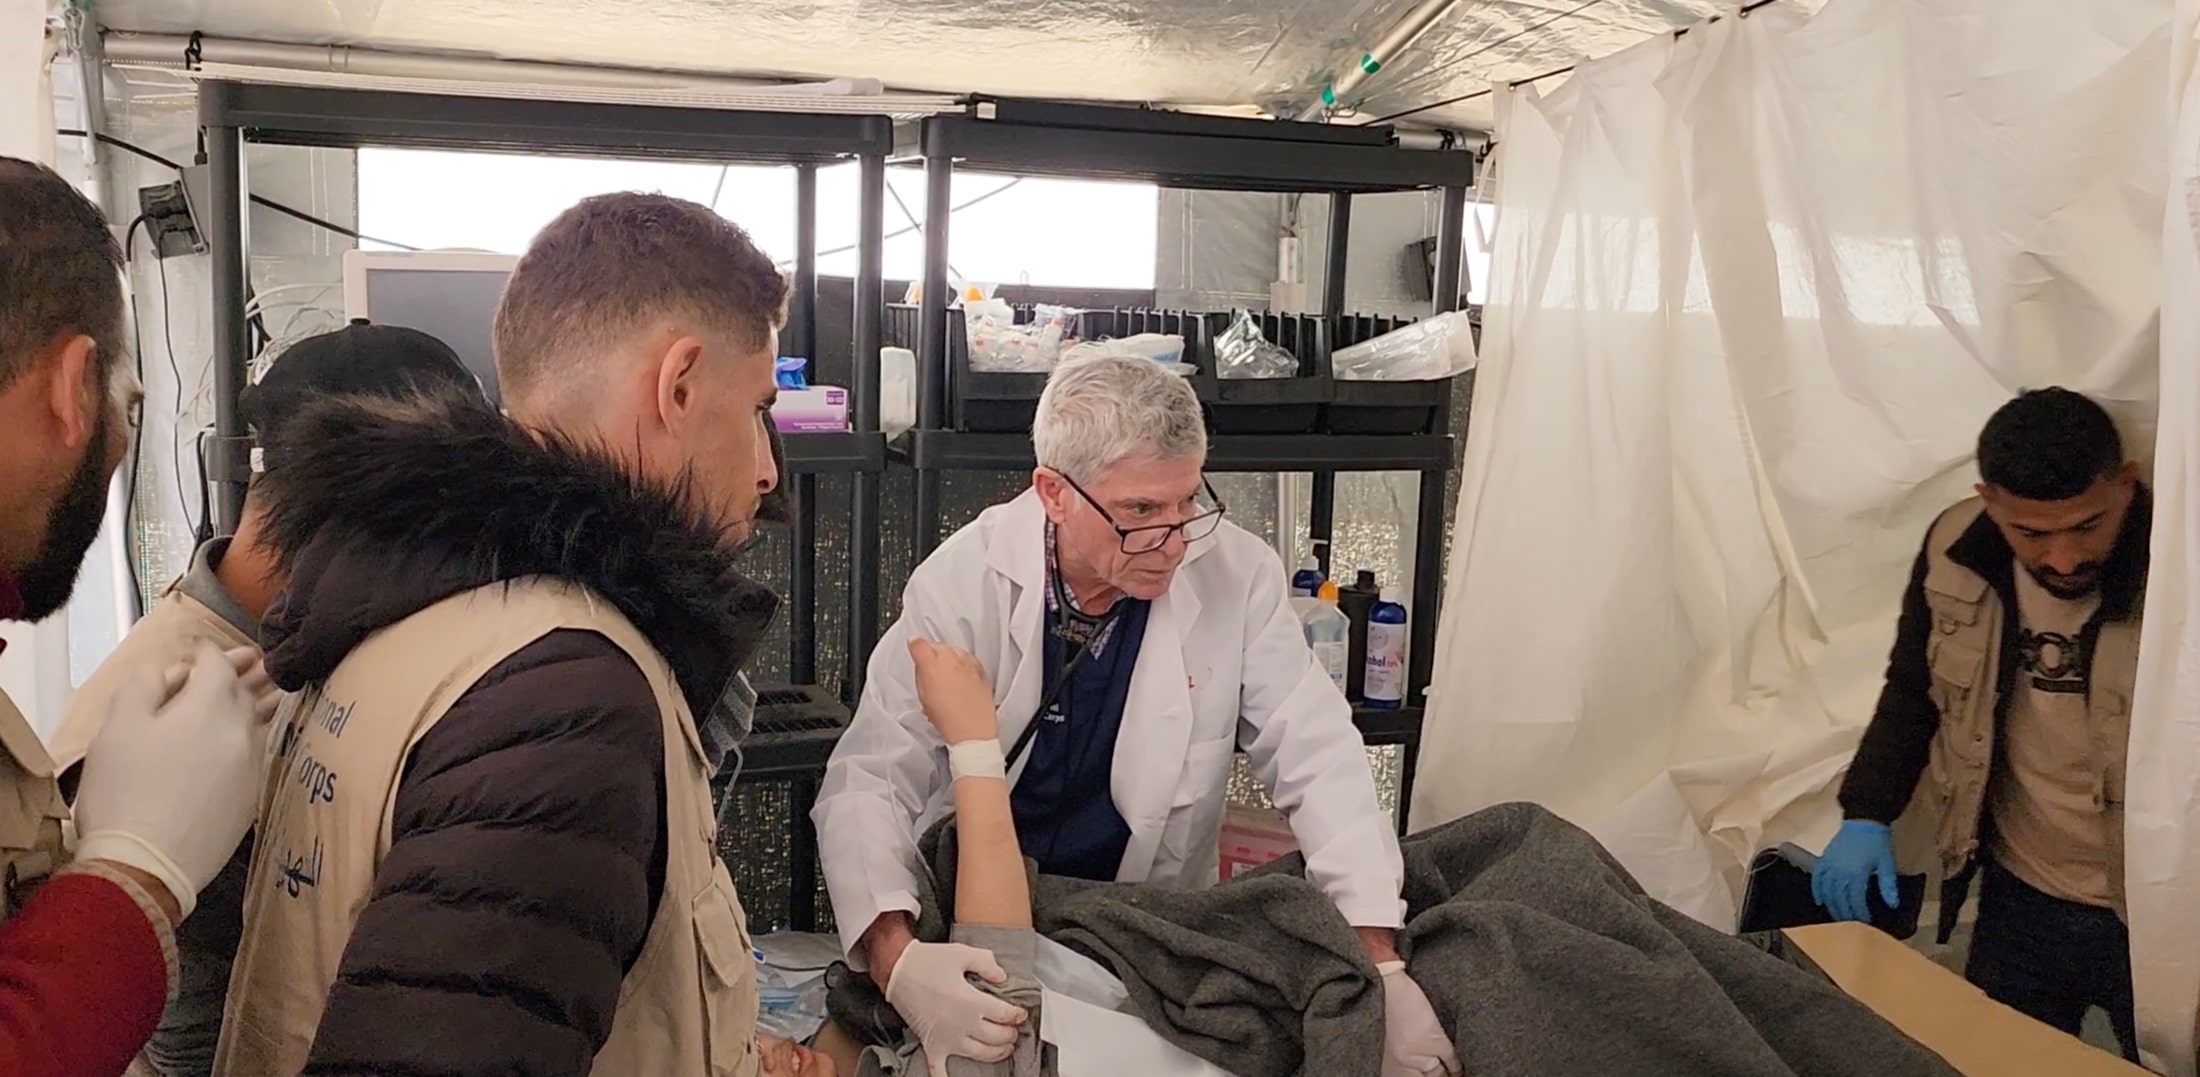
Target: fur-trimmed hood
[379, 508]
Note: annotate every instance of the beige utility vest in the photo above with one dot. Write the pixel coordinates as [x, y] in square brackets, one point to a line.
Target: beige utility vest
[168, 634]
[31, 810]
[688, 1005]
[1939, 831]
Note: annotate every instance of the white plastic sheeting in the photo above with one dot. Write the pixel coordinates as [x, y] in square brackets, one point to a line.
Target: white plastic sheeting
[1755, 291]
[2162, 806]
[1201, 52]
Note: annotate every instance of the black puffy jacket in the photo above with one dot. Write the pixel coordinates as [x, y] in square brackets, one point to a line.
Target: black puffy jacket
[528, 854]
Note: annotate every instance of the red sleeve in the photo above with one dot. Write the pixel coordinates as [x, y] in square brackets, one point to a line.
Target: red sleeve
[83, 979]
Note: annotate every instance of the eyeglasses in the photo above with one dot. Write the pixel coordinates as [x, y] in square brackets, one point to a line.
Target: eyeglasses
[1146, 539]
[128, 394]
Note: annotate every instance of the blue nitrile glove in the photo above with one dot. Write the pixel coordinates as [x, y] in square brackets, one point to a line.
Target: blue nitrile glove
[1841, 881]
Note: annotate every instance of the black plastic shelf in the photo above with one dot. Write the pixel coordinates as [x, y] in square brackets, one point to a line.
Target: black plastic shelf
[834, 453]
[343, 118]
[950, 450]
[794, 733]
[1100, 117]
[1175, 150]
[1400, 725]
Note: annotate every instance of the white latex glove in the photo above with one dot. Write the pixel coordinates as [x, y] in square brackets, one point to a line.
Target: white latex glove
[931, 989]
[173, 781]
[1414, 1043]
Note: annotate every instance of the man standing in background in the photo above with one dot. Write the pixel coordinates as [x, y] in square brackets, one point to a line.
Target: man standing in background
[492, 846]
[2010, 685]
[219, 600]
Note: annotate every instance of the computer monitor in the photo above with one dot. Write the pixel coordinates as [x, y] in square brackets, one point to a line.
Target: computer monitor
[450, 295]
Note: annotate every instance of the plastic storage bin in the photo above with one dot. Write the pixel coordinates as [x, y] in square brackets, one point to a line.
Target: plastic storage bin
[1380, 407]
[1266, 405]
[978, 401]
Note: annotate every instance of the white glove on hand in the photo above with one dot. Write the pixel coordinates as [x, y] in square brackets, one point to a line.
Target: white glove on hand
[173, 781]
[1414, 1043]
[949, 1016]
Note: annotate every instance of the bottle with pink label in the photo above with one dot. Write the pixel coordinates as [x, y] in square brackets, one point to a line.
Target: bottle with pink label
[1386, 652]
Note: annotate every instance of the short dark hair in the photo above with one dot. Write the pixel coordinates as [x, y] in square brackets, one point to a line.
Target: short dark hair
[359, 359]
[59, 269]
[613, 261]
[2049, 445]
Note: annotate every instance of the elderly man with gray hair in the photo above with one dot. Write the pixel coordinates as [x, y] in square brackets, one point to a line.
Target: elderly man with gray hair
[1135, 640]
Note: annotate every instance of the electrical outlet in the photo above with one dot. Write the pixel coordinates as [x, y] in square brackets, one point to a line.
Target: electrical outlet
[170, 220]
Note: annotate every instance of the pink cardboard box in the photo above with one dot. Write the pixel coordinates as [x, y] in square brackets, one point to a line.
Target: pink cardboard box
[1252, 837]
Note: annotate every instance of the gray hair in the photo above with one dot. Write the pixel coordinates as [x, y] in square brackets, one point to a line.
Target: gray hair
[1101, 410]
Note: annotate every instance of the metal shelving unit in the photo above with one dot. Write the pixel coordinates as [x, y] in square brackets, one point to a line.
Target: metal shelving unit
[232, 114]
[1208, 153]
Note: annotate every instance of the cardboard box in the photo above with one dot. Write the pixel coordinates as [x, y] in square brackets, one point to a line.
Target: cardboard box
[1252, 837]
[1935, 1007]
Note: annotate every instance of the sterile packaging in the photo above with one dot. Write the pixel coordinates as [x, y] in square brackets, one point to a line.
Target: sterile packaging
[1252, 837]
[999, 345]
[1241, 352]
[1430, 350]
[820, 409]
[1164, 348]
[790, 983]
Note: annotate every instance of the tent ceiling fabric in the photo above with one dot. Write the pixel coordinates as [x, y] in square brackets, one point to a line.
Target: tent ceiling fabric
[1190, 52]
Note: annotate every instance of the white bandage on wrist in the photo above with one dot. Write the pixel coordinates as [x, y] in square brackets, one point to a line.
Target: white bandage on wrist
[121, 847]
[977, 759]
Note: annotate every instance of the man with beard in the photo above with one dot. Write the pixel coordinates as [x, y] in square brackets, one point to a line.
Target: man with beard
[489, 848]
[220, 600]
[87, 956]
[2010, 685]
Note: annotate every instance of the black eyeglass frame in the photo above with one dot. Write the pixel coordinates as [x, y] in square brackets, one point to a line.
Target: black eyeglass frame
[1210, 520]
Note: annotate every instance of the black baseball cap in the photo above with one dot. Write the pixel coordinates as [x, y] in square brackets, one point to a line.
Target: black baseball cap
[361, 358]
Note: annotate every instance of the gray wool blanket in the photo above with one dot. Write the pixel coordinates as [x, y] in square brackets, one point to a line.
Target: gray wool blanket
[1542, 956]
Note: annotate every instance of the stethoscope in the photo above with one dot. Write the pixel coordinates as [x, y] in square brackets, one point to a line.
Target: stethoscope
[1057, 604]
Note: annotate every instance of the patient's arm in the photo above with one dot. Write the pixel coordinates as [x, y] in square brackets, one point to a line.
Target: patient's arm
[990, 886]
[992, 895]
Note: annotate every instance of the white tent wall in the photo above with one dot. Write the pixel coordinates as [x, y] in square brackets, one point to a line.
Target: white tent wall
[1755, 290]
[2162, 806]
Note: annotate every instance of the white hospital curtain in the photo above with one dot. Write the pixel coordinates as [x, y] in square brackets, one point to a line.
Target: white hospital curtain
[1755, 290]
[2162, 801]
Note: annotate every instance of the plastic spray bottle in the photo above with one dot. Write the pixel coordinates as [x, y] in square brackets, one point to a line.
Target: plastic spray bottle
[1386, 651]
[1326, 630]
[1309, 576]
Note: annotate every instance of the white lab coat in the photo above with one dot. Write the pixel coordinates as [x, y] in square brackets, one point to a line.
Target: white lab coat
[1224, 665]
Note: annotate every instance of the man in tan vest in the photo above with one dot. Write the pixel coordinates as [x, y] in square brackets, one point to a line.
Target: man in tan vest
[87, 950]
[488, 840]
[1998, 746]
[220, 600]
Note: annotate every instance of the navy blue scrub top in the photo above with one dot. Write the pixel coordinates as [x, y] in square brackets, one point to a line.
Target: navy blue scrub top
[1063, 804]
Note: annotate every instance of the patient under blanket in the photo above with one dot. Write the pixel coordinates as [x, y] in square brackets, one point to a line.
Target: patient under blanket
[1542, 957]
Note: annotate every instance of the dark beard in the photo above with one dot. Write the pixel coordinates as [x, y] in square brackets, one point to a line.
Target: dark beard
[2061, 589]
[72, 526]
